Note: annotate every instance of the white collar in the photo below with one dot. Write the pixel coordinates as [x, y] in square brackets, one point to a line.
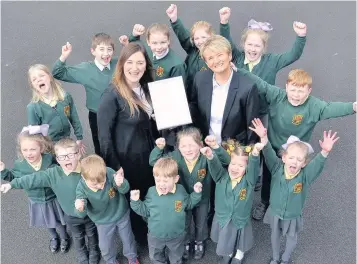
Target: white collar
[160, 57]
[216, 84]
[100, 66]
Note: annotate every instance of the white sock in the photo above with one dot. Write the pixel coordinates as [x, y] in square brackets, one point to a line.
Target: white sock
[239, 255]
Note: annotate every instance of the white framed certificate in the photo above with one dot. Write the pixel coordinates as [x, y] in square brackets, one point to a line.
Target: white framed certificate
[170, 103]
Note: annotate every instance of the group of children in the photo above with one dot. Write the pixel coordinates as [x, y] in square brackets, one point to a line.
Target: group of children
[64, 189]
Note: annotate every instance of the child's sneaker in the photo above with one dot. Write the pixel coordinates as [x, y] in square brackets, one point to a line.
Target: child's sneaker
[134, 261]
[186, 252]
[199, 250]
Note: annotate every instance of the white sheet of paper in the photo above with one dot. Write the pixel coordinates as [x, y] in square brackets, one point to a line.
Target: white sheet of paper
[170, 103]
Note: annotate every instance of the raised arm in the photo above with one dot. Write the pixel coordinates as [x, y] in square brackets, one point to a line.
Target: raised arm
[195, 197]
[214, 165]
[181, 32]
[8, 175]
[271, 159]
[287, 58]
[334, 109]
[314, 168]
[106, 118]
[137, 205]
[225, 31]
[253, 168]
[221, 153]
[118, 180]
[71, 74]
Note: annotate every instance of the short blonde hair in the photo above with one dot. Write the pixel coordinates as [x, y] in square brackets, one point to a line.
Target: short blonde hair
[299, 77]
[301, 145]
[216, 43]
[56, 86]
[201, 25]
[166, 167]
[45, 143]
[156, 27]
[66, 143]
[262, 34]
[93, 168]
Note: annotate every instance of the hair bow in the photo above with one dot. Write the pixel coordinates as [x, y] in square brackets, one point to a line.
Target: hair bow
[293, 139]
[33, 130]
[265, 26]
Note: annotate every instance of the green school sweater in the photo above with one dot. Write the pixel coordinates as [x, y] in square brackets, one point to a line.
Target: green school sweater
[167, 67]
[286, 120]
[287, 197]
[87, 74]
[234, 204]
[60, 118]
[22, 168]
[166, 213]
[194, 62]
[62, 185]
[269, 64]
[107, 205]
[200, 173]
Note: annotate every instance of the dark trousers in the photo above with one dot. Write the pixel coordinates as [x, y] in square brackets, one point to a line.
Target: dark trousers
[92, 118]
[81, 227]
[199, 214]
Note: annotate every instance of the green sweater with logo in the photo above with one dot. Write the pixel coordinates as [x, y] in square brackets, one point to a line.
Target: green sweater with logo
[59, 118]
[62, 185]
[108, 205]
[166, 214]
[22, 168]
[200, 173]
[194, 62]
[287, 197]
[234, 204]
[286, 120]
[89, 75]
[269, 64]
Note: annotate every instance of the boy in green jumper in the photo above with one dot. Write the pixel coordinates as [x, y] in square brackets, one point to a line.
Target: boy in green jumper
[95, 76]
[63, 180]
[164, 60]
[193, 168]
[231, 227]
[165, 207]
[291, 178]
[293, 111]
[101, 193]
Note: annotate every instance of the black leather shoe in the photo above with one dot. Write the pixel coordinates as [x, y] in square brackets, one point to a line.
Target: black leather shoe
[199, 250]
[54, 245]
[65, 245]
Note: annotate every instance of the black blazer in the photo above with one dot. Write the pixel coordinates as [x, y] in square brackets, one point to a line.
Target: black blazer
[242, 106]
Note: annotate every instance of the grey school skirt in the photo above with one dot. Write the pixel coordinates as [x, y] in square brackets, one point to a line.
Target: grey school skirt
[289, 227]
[47, 214]
[229, 238]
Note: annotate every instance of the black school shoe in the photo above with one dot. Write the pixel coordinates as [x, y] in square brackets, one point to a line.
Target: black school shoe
[199, 250]
[65, 245]
[224, 260]
[187, 251]
[54, 245]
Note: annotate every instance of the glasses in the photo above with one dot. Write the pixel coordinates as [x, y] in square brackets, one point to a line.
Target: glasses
[69, 156]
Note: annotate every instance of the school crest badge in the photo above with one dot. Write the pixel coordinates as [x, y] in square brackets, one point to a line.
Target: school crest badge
[178, 206]
[243, 194]
[297, 187]
[160, 71]
[67, 110]
[201, 173]
[111, 193]
[203, 68]
[297, 119]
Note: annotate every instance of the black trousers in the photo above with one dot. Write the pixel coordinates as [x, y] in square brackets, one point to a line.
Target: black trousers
[81, 227]
[92, 118]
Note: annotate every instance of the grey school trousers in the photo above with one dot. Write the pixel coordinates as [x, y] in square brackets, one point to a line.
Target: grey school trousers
[175, 248]
[107, 235]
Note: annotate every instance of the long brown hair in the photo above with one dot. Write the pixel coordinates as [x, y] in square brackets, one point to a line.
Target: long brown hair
[120, 83]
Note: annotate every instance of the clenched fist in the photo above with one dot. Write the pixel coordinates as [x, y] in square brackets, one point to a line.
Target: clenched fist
[135, 195]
